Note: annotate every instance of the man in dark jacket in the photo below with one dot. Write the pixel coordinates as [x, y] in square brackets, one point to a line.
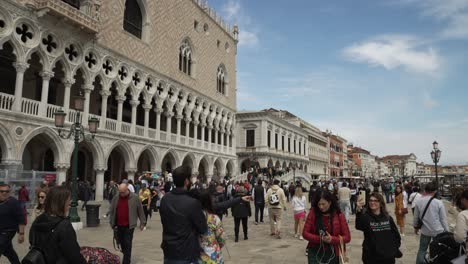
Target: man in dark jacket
[219, 196]
[183, 221]
[258, 195]
[12, 222]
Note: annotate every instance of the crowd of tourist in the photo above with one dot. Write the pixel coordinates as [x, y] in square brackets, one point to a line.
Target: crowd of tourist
[192, 218]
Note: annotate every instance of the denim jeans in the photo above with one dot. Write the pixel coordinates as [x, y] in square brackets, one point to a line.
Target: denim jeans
[423, 245]
[125, 236]
[345, 206]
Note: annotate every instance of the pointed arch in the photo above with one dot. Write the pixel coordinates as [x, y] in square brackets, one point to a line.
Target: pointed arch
[125, 150]
[49, 134]
[152, 155]
[7, 144]
[136, 19]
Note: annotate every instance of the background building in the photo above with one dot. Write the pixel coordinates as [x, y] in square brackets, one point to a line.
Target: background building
[159, 75]
[338, 166]
[401, 165]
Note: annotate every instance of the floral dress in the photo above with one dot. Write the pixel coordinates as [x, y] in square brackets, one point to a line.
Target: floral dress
[212, 241]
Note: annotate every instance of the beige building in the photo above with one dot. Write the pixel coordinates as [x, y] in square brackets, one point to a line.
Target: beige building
[159, 75]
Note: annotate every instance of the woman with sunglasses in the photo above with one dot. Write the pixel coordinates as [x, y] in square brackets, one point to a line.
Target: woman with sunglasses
[381, 237]
[41, 196]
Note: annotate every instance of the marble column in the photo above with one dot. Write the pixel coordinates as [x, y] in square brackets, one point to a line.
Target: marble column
[210, 135]
[66, 95]
[100, 184]
[46, 76]
[158, 112]
[134, 104]
[169, 116]
[179, 121]
[120, 101]
[216, 138]
[195, 132]
[147, 108]
[131, 175]
[202, 133]
[61, 171]
[187, 130]
[20, 67]
[104, 95]
[87, 94]
[222, 139]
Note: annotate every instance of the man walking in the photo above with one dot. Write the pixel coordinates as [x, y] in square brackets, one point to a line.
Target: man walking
[124, 212]
[434, 221]
[113, 190]
[219, 197]
[23, 197]
[344, 196]
[276, 201]
[183, 221]
[12, 222]
[258, 195]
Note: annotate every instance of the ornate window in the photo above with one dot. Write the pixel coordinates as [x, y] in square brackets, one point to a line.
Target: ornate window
[133, 18]
[221, 79]
[185, 58]
[250, 138]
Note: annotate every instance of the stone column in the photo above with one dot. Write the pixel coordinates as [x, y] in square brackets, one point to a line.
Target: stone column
[147, 108]
[100, 184]
[131, 174]
[169, 125]
[187, 130]
[210, 134]
[158, 112]
[20, 67]
[202, 133]
[120, 100]
[87, 95]
[134, 104]
[104, 95]
[222, 139]
[61, 171]
[46, 76]
[179, 121]
[66, 96]
[195, 132]
[216, 139]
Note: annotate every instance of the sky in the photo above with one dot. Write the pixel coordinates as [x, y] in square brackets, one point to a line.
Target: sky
[390, 76]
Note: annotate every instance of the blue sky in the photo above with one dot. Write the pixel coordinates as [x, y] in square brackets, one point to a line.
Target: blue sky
[390, 76]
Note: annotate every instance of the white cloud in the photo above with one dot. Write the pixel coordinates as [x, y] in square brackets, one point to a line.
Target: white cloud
[231, 9]
[393, 51]
[247, 39]
[457, 27]
[236, 14]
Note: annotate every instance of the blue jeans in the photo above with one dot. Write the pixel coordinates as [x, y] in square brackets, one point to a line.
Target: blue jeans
[169, 261]
[423, 245]
[345, 206]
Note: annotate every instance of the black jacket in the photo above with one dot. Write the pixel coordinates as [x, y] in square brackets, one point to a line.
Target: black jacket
[183, 222]
[219, 198]
[60, 246]
[242, 209]
[381, 237]
[259, 194]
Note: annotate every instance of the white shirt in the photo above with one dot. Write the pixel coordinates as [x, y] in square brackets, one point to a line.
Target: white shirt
[298, 204]
[131, 188]
[405, 199]
[461, 228]
[413, 198]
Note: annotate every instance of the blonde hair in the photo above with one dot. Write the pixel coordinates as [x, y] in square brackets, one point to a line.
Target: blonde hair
[298, 192]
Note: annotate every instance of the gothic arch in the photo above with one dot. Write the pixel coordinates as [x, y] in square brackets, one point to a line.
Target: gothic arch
[57, 145]
[153, 155]
[7, 145]
[126, 151]
[145, 22]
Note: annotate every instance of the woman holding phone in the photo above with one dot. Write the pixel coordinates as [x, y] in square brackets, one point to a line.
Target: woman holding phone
[400, 209]
[325, 229]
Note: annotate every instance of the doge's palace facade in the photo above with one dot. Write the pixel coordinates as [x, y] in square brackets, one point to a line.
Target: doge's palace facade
[160, 76]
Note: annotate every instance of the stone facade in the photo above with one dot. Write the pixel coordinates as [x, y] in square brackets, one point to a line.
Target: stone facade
[153, 116]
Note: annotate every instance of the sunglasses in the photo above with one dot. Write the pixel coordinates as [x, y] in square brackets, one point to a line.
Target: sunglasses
[373, 201]
[4, 191]
[41, 197]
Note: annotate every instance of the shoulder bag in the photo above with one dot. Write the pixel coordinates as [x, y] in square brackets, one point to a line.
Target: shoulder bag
[36, 254]
[420, 220]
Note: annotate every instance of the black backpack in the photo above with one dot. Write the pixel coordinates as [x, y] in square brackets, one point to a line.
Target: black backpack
[443, 248]
[36, 254]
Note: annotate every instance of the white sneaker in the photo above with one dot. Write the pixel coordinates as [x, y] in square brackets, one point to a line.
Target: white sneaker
[104, 216]
[301, 238]
[402, 235]
[144, 228]
[296, 235]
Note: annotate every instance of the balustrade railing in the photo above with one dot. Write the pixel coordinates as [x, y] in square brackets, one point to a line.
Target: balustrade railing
[6, 101]
[162, 135]
[173, 137]
[182, 140]
[29, 107]
[190, 141]
[111, 124]
[51, 109]
[151, 133]
[140, 131]
[125, 128]
[72, 114]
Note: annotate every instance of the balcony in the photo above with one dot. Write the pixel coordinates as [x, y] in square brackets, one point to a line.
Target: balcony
[31, 109]
[85, 16]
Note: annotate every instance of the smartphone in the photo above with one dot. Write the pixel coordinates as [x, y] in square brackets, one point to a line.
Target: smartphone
[362, 196]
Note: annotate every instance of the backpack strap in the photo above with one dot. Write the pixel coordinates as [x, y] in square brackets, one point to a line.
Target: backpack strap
[425, 209]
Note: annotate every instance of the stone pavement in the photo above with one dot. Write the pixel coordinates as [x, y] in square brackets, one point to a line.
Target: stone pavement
[260, 248]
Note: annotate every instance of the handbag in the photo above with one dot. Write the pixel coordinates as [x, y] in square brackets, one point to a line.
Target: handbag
[404, 211]
[343, 258]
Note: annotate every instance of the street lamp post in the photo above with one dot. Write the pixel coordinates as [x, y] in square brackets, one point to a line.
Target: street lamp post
[77, 133]
[435, 155]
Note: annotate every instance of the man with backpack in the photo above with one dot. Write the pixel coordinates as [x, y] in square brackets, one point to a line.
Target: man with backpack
[429, 218]
[276, 202]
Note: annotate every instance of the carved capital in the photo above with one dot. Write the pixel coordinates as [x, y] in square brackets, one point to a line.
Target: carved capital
[68, 82]
[46, 75]
[158, 110]
[120, 98]
[179, 117]
[62, 166]
[134, 103]
[21, 66]
[105, 93]
[169, 114]
[188, 120]
[196, 123]
[147, 107]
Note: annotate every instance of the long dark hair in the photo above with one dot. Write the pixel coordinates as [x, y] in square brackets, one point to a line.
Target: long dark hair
[401, 190]
[39, 205]
[206, 201]
[55, 201]
[326, 195]
[383, 206]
